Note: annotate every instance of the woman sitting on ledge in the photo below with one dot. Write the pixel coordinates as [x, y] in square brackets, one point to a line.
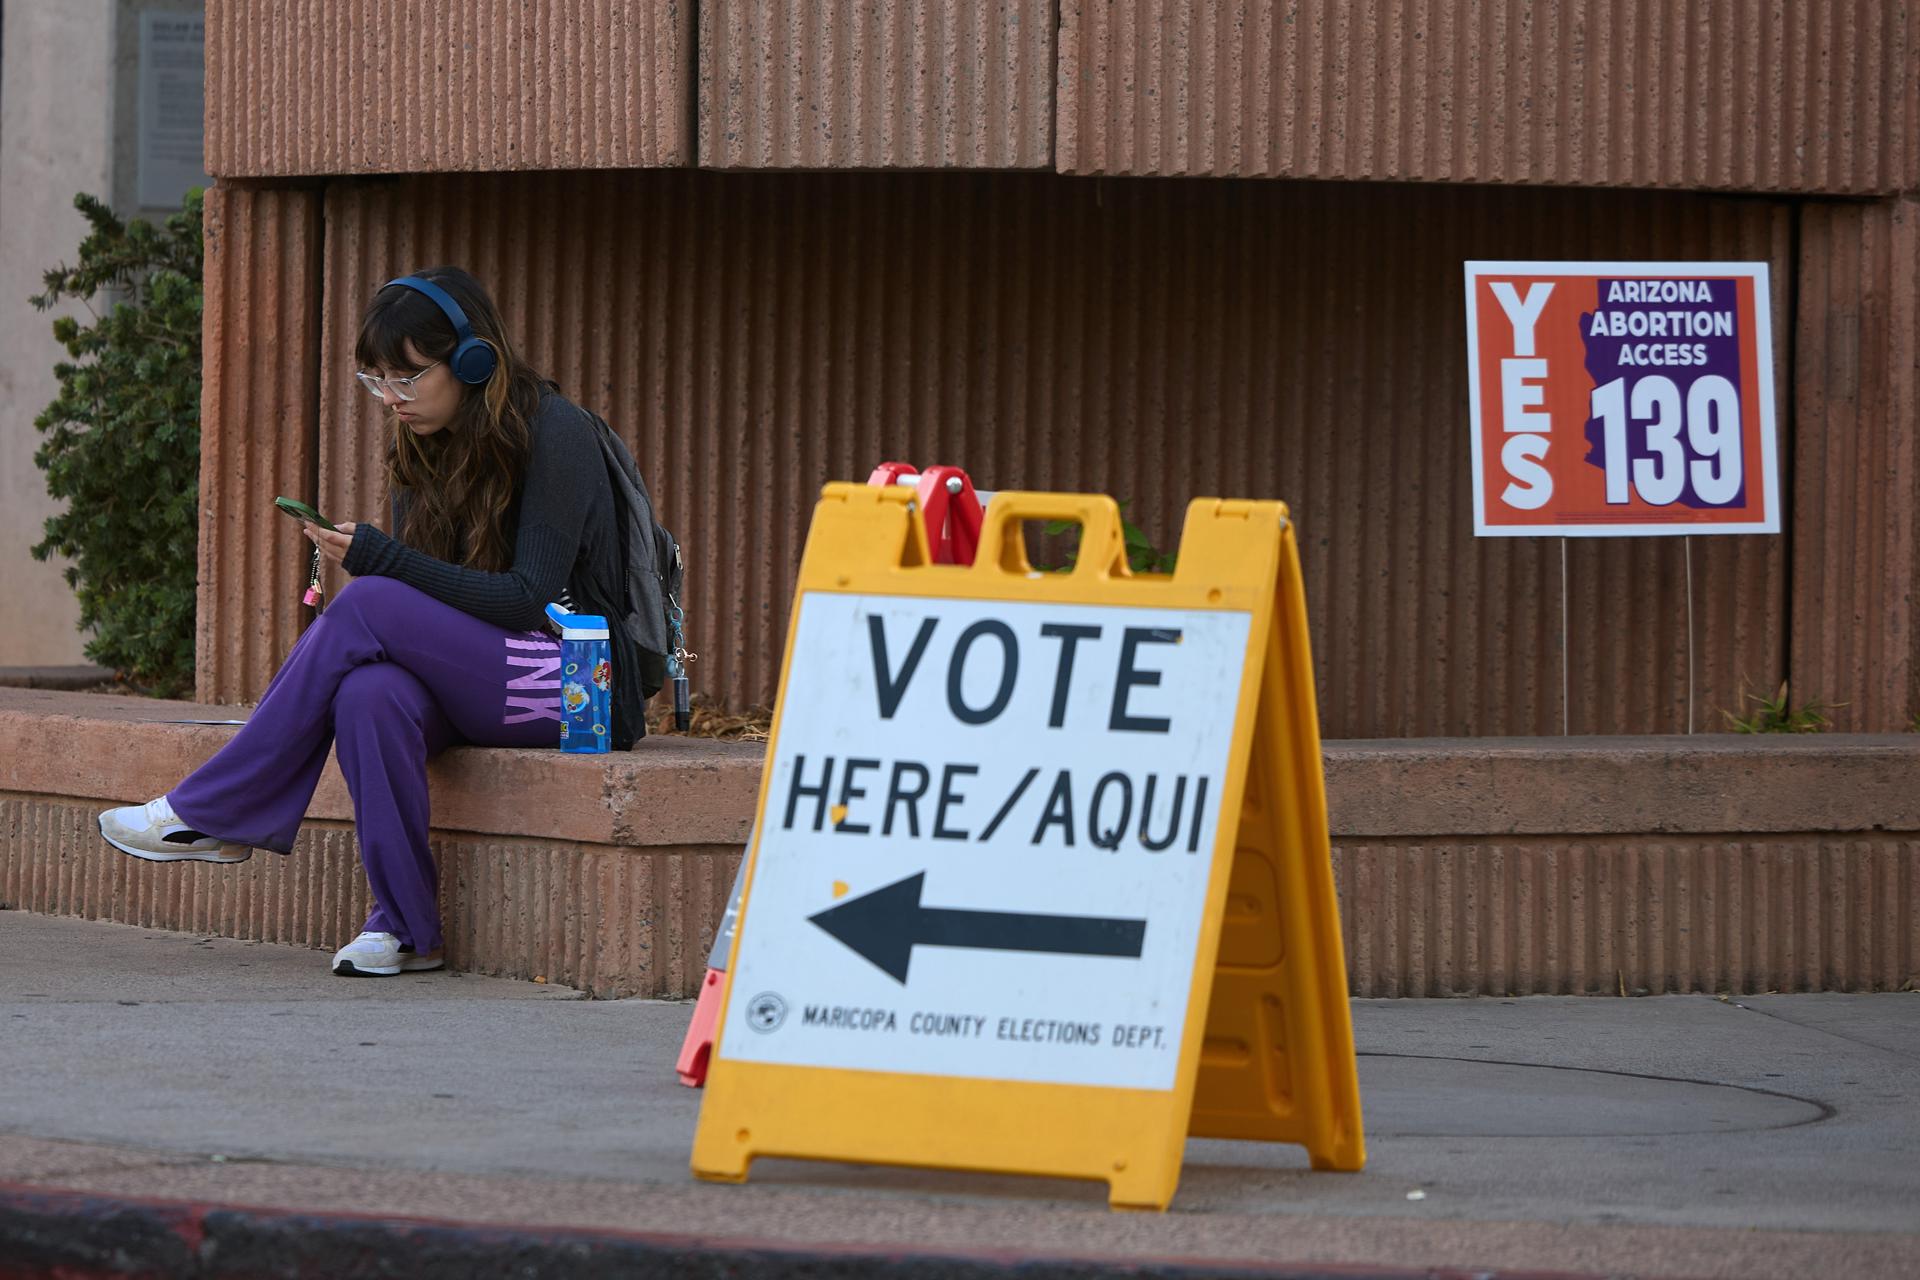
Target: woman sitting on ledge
[501, 504]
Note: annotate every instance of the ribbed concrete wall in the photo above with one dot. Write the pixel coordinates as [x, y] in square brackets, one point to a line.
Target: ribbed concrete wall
[617, 922]
[1856, 455]
[365, 86]
[809, 84]
[1593, 916]
[1756, 95]
[1760, 95]
[754, 335]
[259, 408]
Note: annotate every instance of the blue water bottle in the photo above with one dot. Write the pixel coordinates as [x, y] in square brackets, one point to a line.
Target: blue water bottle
[586, 681]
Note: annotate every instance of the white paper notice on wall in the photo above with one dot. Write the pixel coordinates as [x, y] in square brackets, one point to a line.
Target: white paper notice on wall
[173, 96]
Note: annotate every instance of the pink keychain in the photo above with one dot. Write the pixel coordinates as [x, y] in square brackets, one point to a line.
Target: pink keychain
[312, 598]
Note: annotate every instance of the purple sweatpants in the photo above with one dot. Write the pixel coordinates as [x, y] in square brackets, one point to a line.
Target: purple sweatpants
[388, 676]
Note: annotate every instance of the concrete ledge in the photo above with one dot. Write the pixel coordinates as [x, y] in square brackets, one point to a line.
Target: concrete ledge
[1464, 866]
[604, 873]
[1639, 785]
[673, 790]
[667, 791]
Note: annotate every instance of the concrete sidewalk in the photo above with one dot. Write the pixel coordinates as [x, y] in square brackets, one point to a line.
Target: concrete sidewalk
[1683, 1136]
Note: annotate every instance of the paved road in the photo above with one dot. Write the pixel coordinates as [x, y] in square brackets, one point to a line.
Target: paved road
[1674, 1135]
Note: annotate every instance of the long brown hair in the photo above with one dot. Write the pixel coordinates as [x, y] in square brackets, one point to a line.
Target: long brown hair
[462, 478]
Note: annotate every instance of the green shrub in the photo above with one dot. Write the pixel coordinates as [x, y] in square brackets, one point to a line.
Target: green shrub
[123, 441]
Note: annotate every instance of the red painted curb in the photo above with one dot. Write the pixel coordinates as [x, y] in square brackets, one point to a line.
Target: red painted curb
[73, 1235]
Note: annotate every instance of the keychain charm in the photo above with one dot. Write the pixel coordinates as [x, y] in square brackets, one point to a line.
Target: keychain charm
[677, 668]
[312, 598]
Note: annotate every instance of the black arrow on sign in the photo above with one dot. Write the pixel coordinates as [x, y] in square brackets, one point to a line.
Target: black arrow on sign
[884, 927]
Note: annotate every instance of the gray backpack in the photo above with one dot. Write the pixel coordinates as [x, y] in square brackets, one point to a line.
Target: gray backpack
[647, 613]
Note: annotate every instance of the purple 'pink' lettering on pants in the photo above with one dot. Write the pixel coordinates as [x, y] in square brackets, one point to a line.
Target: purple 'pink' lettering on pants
[544, 662]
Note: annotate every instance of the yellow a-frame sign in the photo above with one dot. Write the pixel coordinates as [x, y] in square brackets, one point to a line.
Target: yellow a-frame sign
[1041, 880]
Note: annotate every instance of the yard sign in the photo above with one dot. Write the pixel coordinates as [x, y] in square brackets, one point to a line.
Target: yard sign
[1619, 398]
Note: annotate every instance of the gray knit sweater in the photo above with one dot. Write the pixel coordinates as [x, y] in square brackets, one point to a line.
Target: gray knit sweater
[564, 546]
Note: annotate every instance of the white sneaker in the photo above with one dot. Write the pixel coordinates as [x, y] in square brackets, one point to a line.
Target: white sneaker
[380, 954]
[154, 832]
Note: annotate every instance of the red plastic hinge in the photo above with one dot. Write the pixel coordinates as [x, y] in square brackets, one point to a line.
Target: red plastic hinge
[952, 512]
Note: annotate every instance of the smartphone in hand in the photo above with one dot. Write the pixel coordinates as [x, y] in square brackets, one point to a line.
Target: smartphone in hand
[301, 511]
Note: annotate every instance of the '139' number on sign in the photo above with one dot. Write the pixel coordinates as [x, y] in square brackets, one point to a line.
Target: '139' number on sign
[1712, 422]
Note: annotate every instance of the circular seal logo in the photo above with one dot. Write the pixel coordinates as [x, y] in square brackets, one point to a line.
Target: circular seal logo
[765, 1012]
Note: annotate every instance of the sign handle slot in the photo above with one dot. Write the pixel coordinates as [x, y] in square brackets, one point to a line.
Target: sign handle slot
[1003, 546]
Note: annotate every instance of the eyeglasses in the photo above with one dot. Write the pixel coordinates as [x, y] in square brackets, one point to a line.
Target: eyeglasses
[403, 388]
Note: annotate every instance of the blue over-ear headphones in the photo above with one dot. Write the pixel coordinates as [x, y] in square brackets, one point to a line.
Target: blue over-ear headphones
[472, 360]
